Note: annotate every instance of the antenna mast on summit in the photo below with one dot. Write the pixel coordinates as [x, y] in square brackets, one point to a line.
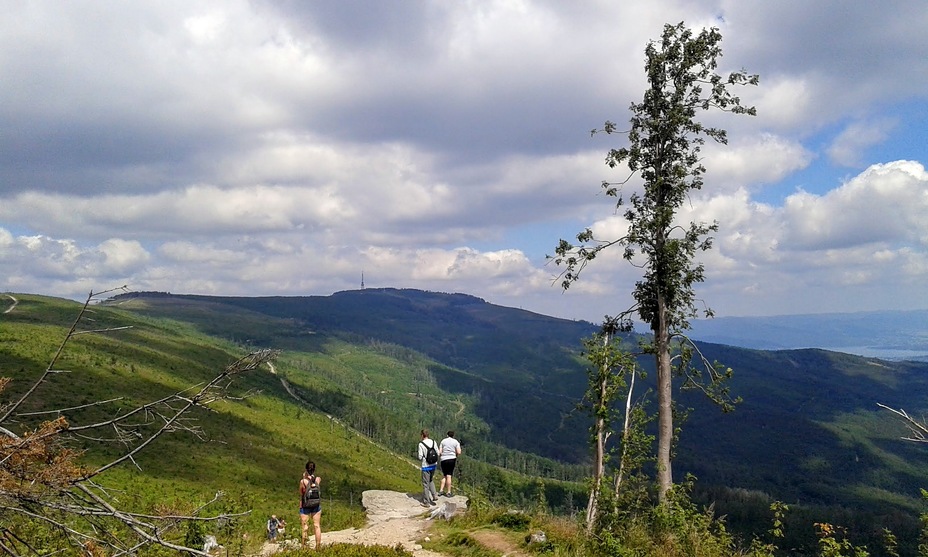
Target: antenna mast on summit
[362, 280]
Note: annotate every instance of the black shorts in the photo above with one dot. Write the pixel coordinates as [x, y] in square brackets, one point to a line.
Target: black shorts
[447, 466]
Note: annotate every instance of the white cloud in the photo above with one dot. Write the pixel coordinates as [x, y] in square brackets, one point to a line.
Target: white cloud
[784, 102]
[753, 161]
[258, 147]
[847, 148]
[885, 203]
[121, 256]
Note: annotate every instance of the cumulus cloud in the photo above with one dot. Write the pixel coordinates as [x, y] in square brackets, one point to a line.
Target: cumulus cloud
[253, 147]
[866, 236]
[847, 148]
[885, 203]
[754, 161]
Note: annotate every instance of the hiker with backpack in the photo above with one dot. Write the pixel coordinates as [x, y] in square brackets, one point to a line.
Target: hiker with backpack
[311, 503]
[450, 450]
[273, 526]
[427, 451]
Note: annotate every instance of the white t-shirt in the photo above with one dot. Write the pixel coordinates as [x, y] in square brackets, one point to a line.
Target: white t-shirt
[449, 448]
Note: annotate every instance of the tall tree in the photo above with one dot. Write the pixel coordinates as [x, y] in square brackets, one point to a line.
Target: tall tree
[664, 143]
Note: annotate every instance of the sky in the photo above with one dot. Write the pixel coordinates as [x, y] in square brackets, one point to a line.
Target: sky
[285, 148]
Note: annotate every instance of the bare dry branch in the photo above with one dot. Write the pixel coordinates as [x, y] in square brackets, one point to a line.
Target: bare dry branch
[918, 429]
[41, 480]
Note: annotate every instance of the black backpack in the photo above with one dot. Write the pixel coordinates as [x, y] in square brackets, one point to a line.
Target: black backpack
[311, 496]
[431, 455]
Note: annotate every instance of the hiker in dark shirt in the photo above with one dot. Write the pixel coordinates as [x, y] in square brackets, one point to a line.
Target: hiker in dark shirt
[272, 525]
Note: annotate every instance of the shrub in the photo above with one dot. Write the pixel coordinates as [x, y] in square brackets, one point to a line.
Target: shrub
[513, 520]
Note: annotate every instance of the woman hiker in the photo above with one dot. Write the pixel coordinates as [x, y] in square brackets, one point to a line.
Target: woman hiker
[311, 503]
[450, 450]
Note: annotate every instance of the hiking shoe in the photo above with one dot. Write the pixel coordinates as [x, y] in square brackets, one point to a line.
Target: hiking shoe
[424, 504]
[433, 503]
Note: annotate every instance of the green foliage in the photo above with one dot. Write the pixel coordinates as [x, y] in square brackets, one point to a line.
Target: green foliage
[761, 549]
[923, 538]
[890, 543]
[664, 143]
[513, 520]
[194, 536]
[833, 542]
[676, 528]
[461, 539]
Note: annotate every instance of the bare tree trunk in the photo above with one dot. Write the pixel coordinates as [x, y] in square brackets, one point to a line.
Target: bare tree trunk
[664, 403]
[625, 429]
[592, 507]
[599, 456]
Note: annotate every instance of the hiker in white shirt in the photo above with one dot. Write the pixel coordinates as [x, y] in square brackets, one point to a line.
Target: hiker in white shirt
[429, 496]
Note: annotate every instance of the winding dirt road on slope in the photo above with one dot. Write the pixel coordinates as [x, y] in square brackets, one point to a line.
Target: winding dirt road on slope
[13, 305]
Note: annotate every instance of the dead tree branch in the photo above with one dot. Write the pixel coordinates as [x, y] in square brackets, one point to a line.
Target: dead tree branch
[42, 480]
[918, 429]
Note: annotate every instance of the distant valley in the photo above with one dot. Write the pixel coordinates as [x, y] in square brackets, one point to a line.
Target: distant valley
[891, 335]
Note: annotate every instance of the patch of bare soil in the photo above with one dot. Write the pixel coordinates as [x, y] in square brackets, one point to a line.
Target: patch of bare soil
[498, 541]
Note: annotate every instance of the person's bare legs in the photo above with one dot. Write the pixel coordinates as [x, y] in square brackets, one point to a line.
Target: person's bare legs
[317, 527]
[304, 524]
[446, 481]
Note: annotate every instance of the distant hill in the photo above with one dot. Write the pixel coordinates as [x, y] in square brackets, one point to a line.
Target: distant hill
[892, 335]
[523, 368]
[525, 375]
[388, 361]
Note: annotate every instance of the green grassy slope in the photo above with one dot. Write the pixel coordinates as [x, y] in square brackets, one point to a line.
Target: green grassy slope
[808, 431]
[253, 448]
[521, 369]
[354, 407]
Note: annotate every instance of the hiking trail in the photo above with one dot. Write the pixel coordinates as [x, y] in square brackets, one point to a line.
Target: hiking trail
[392, 518]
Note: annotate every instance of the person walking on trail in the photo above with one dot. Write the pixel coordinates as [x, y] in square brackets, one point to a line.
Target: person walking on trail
[311, 503]
[272, 525]
[450, 450]
[429, 496]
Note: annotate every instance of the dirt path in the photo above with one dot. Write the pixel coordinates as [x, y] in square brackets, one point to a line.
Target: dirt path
[498, 541]
[13, 305]
[392, 518]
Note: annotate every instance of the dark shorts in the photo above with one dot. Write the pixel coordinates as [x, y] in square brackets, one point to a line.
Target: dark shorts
[447, 466]
[310, 510]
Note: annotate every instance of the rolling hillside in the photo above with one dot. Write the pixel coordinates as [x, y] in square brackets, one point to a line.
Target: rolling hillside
[808, 430]
[521, 370]
[252, 448]
[355, 408]
[386, 362]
